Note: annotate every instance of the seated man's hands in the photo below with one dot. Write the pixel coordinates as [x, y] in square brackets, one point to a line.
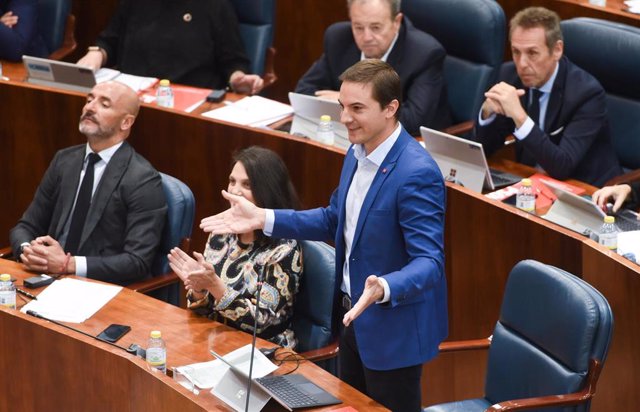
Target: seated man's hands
[504, 99]
[618, 193]
[9, 19]
[244, 83]
[45, 254]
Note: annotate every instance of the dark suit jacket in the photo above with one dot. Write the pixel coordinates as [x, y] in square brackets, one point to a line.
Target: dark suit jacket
[125, 222]
[576, 142]
[399, 236]
[417, 57]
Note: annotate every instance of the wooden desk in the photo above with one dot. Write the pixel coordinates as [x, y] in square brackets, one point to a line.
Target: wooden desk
[483, 238]
[48, 367]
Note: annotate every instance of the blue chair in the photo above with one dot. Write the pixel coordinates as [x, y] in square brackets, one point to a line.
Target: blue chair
[57, 26]
[615, 62]
[548, 346]
[473, 34]
[177, 231]
[313, 308]
[256, 20]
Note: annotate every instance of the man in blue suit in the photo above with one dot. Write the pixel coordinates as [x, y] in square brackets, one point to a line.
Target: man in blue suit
[378, 30]
[19, 30]
[556, 111]
[386, 218]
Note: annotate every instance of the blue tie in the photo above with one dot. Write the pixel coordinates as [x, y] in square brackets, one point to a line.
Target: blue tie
[534, 106]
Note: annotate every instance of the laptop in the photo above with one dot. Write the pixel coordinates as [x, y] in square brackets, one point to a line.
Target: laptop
[582, 215]
[291, 391]
[306, 116]
[463, 161]
[59, 74]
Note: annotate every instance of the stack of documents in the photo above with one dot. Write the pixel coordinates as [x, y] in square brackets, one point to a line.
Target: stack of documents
[254, 111]
[71, 300]
[207, 375]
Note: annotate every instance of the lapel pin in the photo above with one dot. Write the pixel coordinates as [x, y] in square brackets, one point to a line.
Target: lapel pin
[384, 170]
[187, 17]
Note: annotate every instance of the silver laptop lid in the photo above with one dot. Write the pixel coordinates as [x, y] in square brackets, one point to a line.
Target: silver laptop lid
[458, 158]
[574, 212]
[306, 116]
[59, 74]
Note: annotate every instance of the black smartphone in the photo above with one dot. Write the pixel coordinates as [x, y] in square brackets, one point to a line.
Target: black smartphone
[113, 332]
[216, 96]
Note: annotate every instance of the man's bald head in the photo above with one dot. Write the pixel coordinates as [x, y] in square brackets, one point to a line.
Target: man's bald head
[109, 114]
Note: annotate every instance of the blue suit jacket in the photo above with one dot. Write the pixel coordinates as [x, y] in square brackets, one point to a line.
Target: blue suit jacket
[399, 235]
[576, 142]
[417, 57]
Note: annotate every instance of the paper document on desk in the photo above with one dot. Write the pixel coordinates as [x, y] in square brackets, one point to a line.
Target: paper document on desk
[634, 6]
[251, 111]
[72, 300]
[206, 375]
[137, 83]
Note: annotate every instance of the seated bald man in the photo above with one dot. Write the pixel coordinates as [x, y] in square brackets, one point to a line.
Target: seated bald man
[100, 209]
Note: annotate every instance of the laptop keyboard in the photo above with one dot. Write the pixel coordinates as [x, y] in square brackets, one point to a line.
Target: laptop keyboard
[502, 179]
[627, 221]
[288, 393]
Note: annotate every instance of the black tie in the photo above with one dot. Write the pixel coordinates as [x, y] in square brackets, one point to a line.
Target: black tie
[534, 106]
[82, 207]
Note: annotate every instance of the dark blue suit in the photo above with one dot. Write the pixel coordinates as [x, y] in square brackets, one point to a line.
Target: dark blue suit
[23, 38]
[417, 57]
[576, 142]
[399, 236]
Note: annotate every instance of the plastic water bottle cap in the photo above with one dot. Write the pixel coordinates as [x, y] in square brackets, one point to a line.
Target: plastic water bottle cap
[155, 334]
[526, 182]
[5, 277]
[165, 82]
[325, 118]
[609, 219]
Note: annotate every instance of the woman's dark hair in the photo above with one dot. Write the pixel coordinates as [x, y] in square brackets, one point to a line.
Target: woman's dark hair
[269, 179]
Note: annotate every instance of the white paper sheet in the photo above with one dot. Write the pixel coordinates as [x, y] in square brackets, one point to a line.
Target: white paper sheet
[251, 111]
[72, 300]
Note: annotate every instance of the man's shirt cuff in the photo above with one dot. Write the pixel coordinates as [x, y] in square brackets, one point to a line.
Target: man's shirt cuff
[269, 221]
[387, 292]
[525, 129]
[484, 122]
[81, 266]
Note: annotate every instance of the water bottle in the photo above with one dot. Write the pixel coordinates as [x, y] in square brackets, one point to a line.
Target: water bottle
[526, 198]
[324, 133]
[157, 352]
[164, 94]
[7, 292]
[608, 233]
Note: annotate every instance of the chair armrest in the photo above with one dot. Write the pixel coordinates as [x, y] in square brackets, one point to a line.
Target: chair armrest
[595, 367]
[69, 42]
[462, 345]
[326, 352]
[625, 178]
[156, 282]
[6, 253]
[460, 128]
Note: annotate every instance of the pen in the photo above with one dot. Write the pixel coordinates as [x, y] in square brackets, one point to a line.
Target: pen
[27, 294]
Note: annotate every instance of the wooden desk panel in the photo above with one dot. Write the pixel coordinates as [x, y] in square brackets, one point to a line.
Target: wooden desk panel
[53, 368]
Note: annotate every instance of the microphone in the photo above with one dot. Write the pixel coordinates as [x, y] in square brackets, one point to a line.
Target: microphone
[253, 338]
[133, 349]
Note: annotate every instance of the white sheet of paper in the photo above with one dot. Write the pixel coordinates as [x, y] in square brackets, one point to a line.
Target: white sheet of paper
[251, 111]
[72, 300]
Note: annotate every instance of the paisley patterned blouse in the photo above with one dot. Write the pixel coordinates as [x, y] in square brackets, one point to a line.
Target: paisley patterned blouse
[239, 265]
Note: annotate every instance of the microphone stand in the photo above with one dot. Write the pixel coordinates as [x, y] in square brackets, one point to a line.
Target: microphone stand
[253, 341]
[133, 349]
